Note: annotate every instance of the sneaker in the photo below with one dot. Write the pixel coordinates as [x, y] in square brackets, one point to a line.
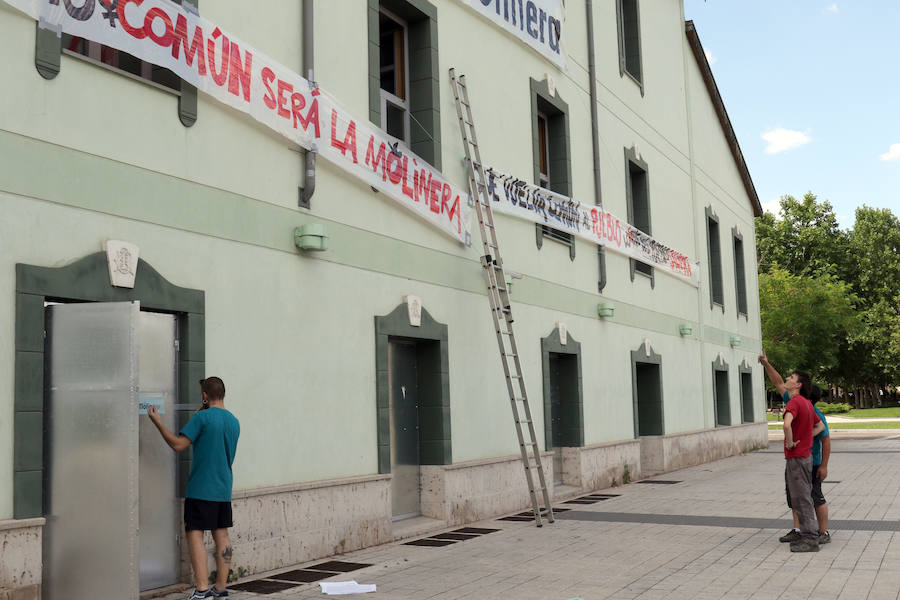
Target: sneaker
[805, 545]
[198, 595]
[217, 593]
[791, 536]
[824, 538]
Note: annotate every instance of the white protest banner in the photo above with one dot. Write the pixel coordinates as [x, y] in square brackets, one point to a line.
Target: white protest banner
[540, 24]
[519, 198]
[236, 74]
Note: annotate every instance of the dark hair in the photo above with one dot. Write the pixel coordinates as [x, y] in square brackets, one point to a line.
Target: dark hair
[815, 394]
[805, 382]
[214, 388]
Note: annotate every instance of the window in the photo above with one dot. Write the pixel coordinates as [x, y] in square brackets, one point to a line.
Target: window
[740, 283]
[404, 78]
[630, 40]
[392, 32]
[550, 145]
[121, 61]
[716, 289]
[638, 201]
[746, 393]
[720, 391]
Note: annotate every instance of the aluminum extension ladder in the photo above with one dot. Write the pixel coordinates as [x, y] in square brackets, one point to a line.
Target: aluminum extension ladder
[501, 310]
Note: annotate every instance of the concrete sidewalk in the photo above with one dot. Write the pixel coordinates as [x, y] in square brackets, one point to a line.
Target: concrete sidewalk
[711, 532]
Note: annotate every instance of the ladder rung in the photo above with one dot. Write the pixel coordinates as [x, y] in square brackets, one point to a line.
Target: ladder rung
[526, 421]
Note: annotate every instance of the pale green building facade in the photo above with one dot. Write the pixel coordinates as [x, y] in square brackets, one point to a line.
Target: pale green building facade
[311, 345]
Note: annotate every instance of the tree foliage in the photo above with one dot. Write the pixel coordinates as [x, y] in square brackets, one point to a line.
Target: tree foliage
[830, 298]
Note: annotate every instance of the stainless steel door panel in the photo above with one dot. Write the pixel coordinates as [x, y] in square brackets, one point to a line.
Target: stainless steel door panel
[90, 540]
[405, 481]
[159, 508]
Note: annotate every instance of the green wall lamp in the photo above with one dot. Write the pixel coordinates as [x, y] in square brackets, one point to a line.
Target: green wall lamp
[735, 341]
[311, 236]
[606, 309]
[685, 329]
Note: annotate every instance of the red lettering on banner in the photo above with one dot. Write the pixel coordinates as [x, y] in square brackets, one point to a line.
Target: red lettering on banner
[454, 210]
[135, 32]
[239, 73]
[220, 77]
[284, 91]
[180, 40]
[349, 142]
[268, 76]
[394, 168]
[420, 186]
[407, 191]
[157, 13]
[445, 198]
[372, 159]
[435, 186]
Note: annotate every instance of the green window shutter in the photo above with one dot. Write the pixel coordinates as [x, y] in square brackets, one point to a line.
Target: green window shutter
[47, 50]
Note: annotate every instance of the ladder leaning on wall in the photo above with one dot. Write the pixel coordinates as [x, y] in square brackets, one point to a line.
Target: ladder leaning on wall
[501, 310]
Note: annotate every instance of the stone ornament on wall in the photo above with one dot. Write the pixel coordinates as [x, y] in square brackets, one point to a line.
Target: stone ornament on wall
[563, 332]
[414, 306]
[122, 258]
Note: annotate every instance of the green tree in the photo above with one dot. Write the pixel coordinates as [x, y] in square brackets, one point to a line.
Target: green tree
[805, 320]
[805, 240]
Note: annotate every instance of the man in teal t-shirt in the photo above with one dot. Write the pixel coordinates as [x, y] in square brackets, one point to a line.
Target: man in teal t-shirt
[214, 433]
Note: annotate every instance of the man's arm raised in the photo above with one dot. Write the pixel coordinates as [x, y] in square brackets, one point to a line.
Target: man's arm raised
[175, 442]
[773, 375]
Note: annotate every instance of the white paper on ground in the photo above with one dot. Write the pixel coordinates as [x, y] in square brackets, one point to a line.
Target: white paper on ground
[335, 588]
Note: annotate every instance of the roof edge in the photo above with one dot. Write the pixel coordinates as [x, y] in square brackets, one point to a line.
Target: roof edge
[713, 90]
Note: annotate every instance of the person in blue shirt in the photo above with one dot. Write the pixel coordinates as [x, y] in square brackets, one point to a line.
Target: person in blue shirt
[821, 453]
[214, 433]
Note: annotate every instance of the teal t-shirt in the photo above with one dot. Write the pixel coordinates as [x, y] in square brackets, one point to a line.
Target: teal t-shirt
[214, 434]
[817, 441]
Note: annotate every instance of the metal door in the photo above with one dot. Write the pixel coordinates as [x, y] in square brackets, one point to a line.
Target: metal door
[91, 496]
[556, 399]
[404, 409]
[159, 508]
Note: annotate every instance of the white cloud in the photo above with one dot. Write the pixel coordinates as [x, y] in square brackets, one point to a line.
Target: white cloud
[709, 57]
[893, 153]
[782, 140]
[772, 206]
[832, 8]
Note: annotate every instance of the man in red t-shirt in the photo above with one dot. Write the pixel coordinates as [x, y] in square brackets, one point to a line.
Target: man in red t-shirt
[799, 420]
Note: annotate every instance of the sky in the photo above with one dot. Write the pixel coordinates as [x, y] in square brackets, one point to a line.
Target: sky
[812, 88]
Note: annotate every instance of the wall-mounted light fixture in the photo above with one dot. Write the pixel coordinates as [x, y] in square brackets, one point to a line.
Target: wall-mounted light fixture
[606, 309]
[685, 329]
[311, 236]
[735, 341]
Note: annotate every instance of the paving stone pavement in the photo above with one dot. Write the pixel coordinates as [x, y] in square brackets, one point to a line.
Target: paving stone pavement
[636, 546]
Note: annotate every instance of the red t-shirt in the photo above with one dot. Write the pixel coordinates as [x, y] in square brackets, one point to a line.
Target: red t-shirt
[801, 427]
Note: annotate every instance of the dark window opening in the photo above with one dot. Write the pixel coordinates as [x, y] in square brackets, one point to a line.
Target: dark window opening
[551, 160]
[121, 61]
[739, 275]
[723, 402]
[639, 207]
[630, 38]
[746, 397]
[648, 396]
[392, 33]
[717, 290]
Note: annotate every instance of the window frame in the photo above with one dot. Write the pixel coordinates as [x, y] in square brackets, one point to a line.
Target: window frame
[711, 217]
[387, 97]
[632, 160]
[555, 111]
[720, 366]
[637, 78]
[740, 273]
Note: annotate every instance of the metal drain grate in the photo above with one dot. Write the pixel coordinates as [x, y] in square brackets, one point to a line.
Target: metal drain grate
[580, 501]
[476, 530]
[453, 536]
[517, 519]
[660, 481]
[339, 566]
[263, 586]
[302, 576]
[429, 542]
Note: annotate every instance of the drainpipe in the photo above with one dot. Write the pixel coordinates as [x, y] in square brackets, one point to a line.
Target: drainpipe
[309, 160]
[595, 136]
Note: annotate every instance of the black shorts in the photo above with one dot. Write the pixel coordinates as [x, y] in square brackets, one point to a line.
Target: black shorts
[206, 515]
[818, 497]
